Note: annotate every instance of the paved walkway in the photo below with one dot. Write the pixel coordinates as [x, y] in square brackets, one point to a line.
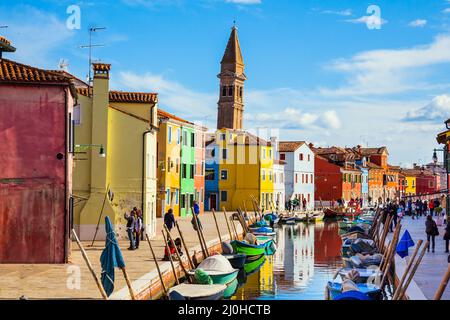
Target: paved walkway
[433, 266]
[60, 281]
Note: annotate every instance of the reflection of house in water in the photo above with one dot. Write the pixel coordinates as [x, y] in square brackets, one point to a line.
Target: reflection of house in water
[327, 244]
[295, 254]
[266, 282]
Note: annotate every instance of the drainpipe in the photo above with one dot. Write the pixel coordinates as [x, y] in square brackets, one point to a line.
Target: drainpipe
[152, 129]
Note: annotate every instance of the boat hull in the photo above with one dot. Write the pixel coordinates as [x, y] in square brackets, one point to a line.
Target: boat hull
[237, 261]
[248, 249]
[372, 291]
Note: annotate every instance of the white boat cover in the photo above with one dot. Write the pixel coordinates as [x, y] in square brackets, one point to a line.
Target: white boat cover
[196, 291]
[216, 264]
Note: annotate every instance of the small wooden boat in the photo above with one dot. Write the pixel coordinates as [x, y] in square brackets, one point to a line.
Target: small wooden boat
[197, 292]
[263, 232]
[218, 268]
[334, 289]
[250, 250]
[237, 260]
[288, 220]
[363, 275]
[331, 214]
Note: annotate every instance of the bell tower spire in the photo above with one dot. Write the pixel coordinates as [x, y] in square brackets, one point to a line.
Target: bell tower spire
[232, 78]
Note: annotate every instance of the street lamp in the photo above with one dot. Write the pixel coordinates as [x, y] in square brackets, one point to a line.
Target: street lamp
[101, 153]
[447, 124]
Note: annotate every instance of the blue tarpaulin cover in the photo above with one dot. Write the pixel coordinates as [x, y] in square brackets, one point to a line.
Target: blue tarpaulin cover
[111, 258]
[404, 244]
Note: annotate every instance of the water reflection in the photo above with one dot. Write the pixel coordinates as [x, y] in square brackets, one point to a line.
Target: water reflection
[307, 257]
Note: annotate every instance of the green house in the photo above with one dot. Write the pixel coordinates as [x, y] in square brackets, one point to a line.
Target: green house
[187, 170]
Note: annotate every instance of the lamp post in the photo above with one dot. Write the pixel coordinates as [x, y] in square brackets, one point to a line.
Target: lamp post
[102, 153]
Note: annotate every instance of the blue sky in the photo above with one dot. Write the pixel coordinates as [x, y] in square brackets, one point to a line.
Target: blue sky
[316, 72]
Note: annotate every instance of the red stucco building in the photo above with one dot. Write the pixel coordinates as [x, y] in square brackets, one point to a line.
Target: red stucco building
[35, 162]
[334, 181]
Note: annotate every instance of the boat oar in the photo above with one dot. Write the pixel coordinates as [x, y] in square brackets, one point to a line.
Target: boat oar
[170, 258]
[200, 229]
[228, 224]
[89, 265]
[185, 246]
[178, 254]
[197, 227]
[390, 255]
[234, 228]
[157, 266]
[408, 268]
[217, 226]
[413, 272]
[443, 285]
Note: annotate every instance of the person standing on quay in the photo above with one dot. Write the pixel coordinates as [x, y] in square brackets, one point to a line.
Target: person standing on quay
[432, 231]
[431, 207]
[131, 223]
[138, 227]
[169, 219]
[447, 237]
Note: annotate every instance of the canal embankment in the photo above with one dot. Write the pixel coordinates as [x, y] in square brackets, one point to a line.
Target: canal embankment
[74, 280]
[432, 268]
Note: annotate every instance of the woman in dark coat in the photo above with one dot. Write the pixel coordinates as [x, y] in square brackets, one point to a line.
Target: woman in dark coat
[447, 237]
[432, 231]
[169, 219]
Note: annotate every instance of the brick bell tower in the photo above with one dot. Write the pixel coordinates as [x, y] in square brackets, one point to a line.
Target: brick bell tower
[231, 102]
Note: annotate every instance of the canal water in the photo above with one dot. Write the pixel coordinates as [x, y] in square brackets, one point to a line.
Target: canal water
[307, 257]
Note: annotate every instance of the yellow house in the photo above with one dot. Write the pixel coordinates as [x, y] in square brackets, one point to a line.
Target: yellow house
[410, 178]
[169, 162]
[115, 164]
[245, 169]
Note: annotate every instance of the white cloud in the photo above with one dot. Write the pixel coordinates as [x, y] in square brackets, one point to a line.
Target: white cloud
[293, 119]
[437, 110]
[35, 34]
[244, 2]
[369, 20]
[345, 12]
[446, 10]
[418, 23]
[390, 71]
[173, 96]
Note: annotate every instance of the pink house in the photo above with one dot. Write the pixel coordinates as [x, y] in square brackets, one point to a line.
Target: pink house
[36, 144]
[199, 176]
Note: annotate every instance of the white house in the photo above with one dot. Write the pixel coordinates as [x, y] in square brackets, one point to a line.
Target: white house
[279, 194]
[299, 171]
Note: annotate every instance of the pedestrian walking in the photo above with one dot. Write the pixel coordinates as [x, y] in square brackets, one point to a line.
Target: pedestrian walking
[196, 209]
[447, 237]
[169, 219]
[431, 207]
[131, 222]
[138, 227]
[432, 231]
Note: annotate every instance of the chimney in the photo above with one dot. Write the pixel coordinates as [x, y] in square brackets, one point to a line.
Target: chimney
[5, 46]
[275, 142]
[311, 145]
[100, 105]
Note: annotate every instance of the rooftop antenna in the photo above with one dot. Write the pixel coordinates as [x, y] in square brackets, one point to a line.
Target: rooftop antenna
[90, 46]
[63, 64]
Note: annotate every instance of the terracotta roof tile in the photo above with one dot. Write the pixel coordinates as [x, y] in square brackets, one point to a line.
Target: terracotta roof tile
[290, 146]
[101, 66]
[280, 162]
[124, 97]
[11, 71]
[142, 97]
[165, 114]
